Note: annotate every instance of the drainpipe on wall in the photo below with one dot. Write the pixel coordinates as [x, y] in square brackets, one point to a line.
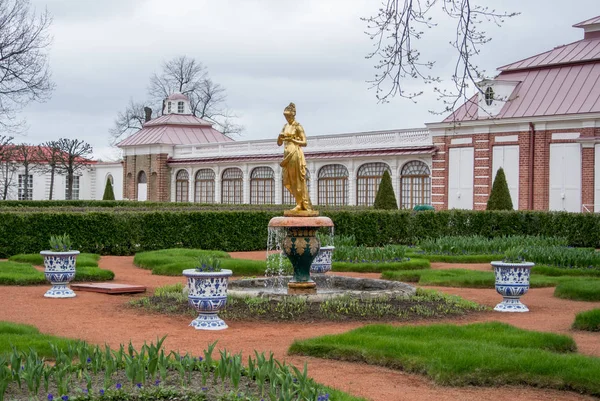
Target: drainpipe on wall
[531, 164]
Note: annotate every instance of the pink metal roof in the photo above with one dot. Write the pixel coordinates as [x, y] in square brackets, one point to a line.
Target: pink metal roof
[565, 80]
[178, 96]
[175, 129]
[591, 21]
[310, 155]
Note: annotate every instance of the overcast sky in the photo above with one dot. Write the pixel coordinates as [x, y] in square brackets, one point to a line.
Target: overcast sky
[265, 53]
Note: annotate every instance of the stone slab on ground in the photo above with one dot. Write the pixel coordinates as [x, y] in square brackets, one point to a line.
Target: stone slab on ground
[109, 288]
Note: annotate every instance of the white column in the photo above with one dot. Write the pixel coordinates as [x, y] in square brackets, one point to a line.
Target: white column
[173, 182]
[278, 185]
[191, 173]
[311, 183]
[351, 187]
[218, 185]
[246, 185]
[395, 181]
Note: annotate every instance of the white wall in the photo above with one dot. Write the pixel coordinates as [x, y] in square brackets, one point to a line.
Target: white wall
[102, 172]
[460, 178]
[507, 157]
[565, 177]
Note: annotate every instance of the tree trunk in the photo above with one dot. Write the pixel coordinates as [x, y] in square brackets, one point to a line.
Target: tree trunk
[6, 181]
[70, 185]
[26, 184]
[51, 182]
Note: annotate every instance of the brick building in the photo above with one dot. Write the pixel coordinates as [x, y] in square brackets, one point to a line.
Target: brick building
[539, 119]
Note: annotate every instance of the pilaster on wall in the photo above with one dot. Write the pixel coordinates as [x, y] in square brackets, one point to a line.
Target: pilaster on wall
[439, 174]
[482, 174]
[524, 170]
[588, 160]
[541, 170]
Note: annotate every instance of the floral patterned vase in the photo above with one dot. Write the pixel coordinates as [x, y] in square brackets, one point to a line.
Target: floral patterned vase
[59, 271]
[512, 281]
[322, 263]
[301, 246]
[208, 295]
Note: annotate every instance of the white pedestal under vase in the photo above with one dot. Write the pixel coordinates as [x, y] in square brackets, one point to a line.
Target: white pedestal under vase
[59, 269]
[512, 282]
[207, 293]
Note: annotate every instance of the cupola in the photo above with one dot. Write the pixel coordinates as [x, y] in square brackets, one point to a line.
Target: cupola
[177, 103]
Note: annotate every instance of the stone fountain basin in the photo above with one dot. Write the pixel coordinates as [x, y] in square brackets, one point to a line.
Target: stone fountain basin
[328, 286]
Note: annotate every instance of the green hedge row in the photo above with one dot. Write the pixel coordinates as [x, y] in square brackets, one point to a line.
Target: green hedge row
[127, 232]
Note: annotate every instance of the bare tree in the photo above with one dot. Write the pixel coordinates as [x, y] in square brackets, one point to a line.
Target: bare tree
[26, 156]
[48, 155]
[399, 24]
[73, 157]
[128, 122]
[24, 72]
[8, 166]
[187, 76]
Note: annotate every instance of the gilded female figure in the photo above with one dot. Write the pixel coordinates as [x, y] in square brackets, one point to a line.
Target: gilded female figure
[294, 164]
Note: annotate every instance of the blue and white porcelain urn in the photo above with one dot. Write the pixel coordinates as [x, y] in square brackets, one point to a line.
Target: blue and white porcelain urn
[59, 271]
[207, 293]
[512, 281]
[322, 262]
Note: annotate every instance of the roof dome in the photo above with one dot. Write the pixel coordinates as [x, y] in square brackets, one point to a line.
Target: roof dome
[178, 96]
[177, 103]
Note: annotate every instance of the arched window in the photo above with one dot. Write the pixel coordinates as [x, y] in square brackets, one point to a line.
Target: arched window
[232, 186]
[262, 184]
[367, 182]
[110, 178]
[287, 197]
[416, 184]
[333, 185]
[489, 95]
[142, 187]
[182, 185]
[205, 186]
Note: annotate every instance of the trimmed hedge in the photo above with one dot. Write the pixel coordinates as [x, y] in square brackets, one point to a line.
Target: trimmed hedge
[125, 232]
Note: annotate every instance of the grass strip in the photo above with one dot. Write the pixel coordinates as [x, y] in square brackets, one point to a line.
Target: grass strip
[579, 290]
[25, 337]
[472, 278]
[83, 259]
[376, 267]
[482, 354]
[12, 273]
[455, 258]
[588, 320]
[22, 273]
[172, 262]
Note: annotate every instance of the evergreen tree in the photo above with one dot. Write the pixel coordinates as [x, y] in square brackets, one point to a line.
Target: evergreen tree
[500, 196]
[385, 198]
[109, 194]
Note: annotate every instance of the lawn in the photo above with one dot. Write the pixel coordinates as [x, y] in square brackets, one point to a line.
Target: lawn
[86, 269]
[25, 337]
[482, 354]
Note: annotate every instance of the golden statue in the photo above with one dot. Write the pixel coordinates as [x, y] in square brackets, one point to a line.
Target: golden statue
[294, 164]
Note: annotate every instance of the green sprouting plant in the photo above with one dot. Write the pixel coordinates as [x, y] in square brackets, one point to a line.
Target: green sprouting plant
[5, 376]
[60, 243]
[32, 372]
[208, 264]
[515, 255]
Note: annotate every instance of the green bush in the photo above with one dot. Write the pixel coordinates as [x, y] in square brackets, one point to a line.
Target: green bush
[376, 267]
[579, 290]
[500, 196]
[126, 231]
[385, 198]
[109, 194]
[588, 320]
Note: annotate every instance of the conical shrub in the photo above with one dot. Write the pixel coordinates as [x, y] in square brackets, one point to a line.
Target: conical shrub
[500, 196]
[109, 194]
[385, 198]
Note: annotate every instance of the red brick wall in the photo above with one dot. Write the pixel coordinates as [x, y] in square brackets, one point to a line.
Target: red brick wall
[483, 174]
[157, 174]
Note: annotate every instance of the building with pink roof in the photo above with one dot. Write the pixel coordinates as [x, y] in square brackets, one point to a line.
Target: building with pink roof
[539, 119]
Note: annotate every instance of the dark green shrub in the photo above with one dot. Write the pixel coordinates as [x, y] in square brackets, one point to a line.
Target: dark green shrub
[385, 198]
[109, 194]
[588, 320]
[500, 196]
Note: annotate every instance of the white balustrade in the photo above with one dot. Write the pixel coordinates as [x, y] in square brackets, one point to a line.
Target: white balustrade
[324, 143]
